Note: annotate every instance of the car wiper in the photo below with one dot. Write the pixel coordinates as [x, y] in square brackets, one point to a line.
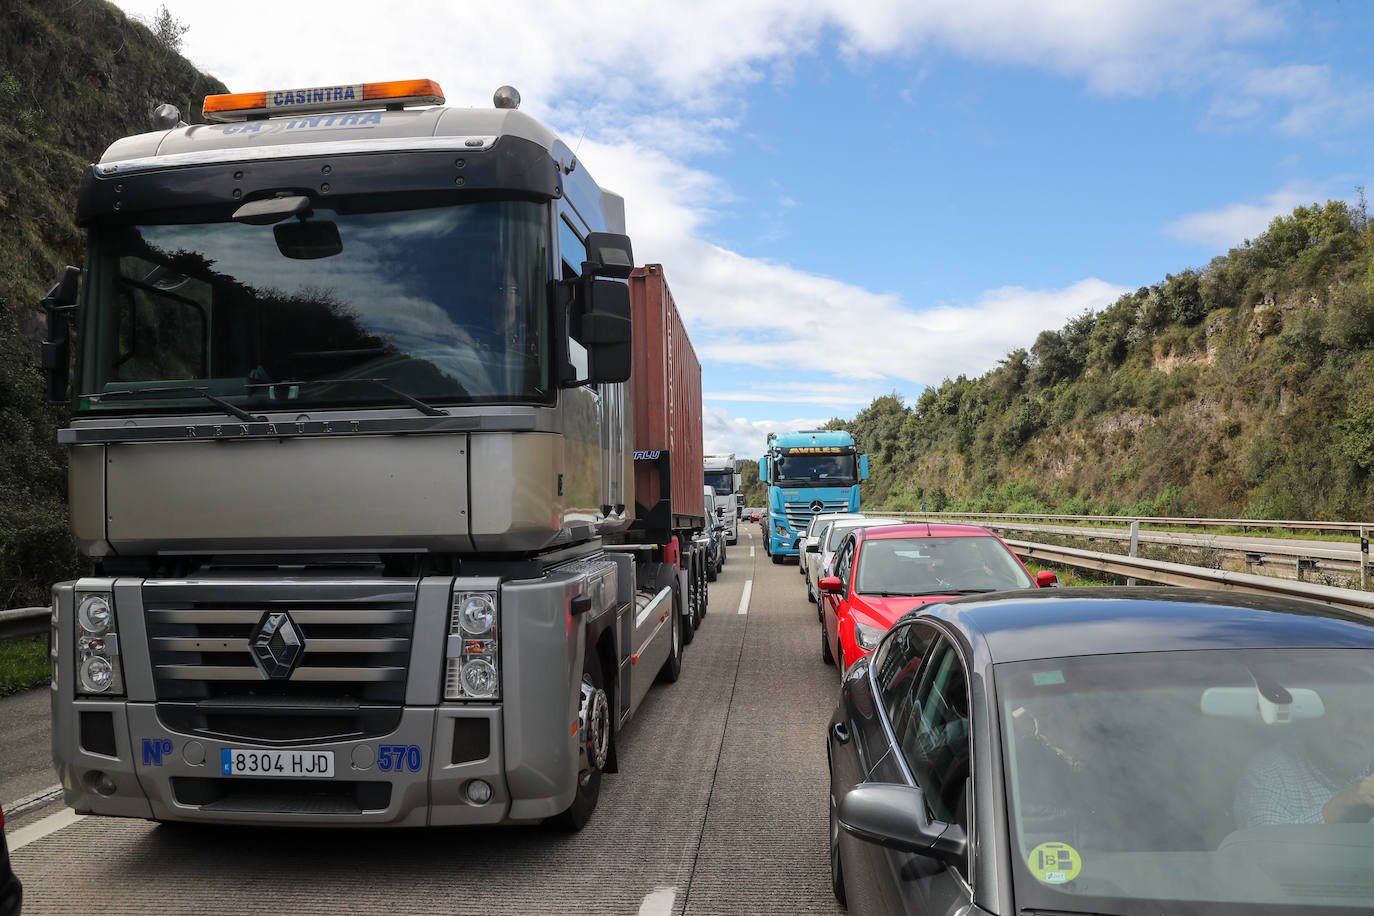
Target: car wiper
[231, 409]
[945, 591]
[426, 409]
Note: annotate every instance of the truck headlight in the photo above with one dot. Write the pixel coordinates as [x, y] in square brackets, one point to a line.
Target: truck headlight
[781, 530]
[472, 669]
[867, 637]
[99, 671]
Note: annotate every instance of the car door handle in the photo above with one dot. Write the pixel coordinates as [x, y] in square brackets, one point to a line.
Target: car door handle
[840, 732]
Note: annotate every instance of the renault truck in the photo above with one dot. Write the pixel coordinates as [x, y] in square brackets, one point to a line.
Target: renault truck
[807, 473]
[387, 462]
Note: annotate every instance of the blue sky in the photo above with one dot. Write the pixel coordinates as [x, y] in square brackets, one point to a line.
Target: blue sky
[851, 198]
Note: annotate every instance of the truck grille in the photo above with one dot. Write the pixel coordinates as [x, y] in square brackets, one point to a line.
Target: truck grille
[799, 514]
[349, 680]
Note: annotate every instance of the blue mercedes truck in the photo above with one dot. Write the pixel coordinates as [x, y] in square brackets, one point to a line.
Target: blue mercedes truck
[807, 473]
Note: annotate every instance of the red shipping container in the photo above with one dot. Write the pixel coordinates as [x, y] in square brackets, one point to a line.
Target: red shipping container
[665, 385]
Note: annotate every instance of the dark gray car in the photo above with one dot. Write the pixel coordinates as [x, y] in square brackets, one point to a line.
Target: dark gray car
[1133, 751]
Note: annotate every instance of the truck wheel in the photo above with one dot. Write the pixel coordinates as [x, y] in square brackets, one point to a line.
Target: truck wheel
[688, 628]
[672, 666]
[825, 647]
[703, 591]
[594, 734]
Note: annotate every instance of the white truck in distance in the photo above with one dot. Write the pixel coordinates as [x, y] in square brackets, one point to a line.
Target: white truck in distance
[723, 478]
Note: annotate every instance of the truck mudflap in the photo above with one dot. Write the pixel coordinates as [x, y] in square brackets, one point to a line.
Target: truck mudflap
[425, 772]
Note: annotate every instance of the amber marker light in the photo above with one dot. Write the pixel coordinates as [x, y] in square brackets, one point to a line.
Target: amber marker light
[240, 106]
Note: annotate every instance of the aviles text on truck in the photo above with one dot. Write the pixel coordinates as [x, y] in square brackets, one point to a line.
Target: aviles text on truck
[807, 473]
[377, 533]
[726, 482]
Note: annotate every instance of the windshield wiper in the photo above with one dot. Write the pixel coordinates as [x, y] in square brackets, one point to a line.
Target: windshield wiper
[222, 404]
[426, 409]
[941, 591]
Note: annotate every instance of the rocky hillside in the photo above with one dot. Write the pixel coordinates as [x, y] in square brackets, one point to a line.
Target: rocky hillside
[74, 76]
[1242, 389]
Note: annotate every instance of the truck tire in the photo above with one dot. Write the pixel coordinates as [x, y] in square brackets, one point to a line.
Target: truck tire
[672, 666]
[689, 622]
[595, 732]
[703, 590]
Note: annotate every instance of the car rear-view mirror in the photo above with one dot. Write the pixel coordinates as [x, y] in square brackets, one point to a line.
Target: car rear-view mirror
[894, 816]
[830, 584]
[1046, 578]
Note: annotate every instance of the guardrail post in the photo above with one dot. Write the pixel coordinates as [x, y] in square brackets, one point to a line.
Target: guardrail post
[1364, 555]
[1135, 545]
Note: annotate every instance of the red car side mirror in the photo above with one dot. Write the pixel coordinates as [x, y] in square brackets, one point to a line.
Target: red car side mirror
[830, 584]
[1046, 578]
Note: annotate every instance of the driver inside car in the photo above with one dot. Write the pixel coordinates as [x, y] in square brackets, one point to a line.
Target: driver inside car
[1320, 776]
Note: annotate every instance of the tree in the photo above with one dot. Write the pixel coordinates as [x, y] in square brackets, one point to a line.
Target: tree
[169, 30]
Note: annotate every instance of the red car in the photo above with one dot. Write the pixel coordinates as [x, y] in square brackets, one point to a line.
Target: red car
[879, 574]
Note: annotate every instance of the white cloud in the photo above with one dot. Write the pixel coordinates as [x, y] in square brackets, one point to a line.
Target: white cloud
[1306, 99]
[1232, 224]
[724, 433]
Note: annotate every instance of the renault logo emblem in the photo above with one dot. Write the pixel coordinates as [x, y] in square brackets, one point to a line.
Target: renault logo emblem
[277, 645]
[817, 505]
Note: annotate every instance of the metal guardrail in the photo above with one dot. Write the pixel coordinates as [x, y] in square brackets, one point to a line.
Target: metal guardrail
[1195, 576]
[1153, 520]
[24, 621]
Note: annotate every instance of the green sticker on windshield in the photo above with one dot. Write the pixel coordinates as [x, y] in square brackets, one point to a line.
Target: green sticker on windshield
[1046, 678]
[1055, 863]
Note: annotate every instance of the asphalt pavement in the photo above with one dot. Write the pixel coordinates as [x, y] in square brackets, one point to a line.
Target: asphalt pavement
[719, 806]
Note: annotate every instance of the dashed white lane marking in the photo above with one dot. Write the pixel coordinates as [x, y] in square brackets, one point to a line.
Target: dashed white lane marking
[46, 827]
[751, 550]
[659, 903]
[744, 599]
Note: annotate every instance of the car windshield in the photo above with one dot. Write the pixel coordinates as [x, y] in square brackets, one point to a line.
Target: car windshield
[923, 566]
[1229, 781]
[816, 470]
[342, 304]
[722, 482]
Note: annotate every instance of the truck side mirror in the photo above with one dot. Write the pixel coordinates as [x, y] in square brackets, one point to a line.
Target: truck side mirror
[609, 255]
[763, 470]
[863, 467]
[60, 304]
[606, 330]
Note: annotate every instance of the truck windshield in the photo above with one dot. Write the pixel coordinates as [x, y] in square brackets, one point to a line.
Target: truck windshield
[353, 303]
[816, 470]
[722, 482]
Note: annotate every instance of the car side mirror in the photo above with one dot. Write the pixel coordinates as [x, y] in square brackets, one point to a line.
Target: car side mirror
[830, 584]
[1046, 579]
[894, 816]
[60, 304]
[813, 548]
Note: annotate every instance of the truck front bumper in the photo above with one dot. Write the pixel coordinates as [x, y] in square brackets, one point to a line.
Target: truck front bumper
[164, 775]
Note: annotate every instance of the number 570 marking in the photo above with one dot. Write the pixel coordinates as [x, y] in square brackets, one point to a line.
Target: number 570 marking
[392, 758]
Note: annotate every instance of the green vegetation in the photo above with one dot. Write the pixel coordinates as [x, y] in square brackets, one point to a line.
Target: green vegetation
[74, 76]
[1245, 389]
[23, 664]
